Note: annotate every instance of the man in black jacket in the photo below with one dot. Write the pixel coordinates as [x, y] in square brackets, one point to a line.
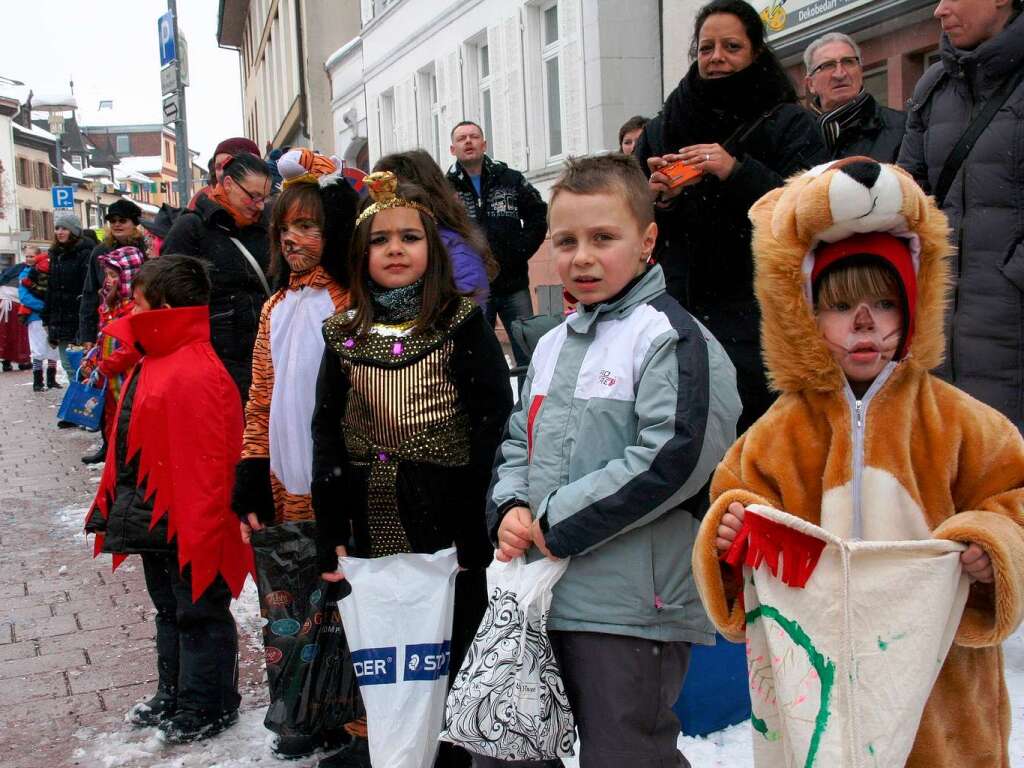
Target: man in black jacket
[513, 216]
[851, 121]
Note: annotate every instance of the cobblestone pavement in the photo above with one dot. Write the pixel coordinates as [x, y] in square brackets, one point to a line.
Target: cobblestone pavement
[76, 640]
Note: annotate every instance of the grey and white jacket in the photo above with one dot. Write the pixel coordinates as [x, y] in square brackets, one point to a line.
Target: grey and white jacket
[625, 412]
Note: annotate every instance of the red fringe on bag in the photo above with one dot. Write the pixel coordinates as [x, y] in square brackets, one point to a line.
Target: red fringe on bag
[761, 540]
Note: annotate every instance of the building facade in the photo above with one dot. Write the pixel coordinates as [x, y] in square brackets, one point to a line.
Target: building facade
[11, 93]
[282, 46]
[144, 158]
[545, 80]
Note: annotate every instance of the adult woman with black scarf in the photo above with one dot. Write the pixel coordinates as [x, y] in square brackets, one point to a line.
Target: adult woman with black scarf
[734, 118]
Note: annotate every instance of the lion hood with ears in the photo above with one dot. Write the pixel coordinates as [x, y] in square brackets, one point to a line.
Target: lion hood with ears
[927, 459]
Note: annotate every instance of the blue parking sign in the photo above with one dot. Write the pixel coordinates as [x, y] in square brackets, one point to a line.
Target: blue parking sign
[63, 197]
[165, 25]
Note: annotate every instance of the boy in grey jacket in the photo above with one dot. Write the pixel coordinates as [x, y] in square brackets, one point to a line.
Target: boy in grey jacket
[627, 408]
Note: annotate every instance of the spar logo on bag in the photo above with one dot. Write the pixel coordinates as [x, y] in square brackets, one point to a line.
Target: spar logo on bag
[427, 661]
[375, 666]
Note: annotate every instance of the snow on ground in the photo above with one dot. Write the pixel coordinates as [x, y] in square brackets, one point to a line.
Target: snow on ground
[247, 744]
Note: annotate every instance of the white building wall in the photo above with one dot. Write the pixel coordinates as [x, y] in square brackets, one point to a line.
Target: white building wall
[10, 225]
[609, 65]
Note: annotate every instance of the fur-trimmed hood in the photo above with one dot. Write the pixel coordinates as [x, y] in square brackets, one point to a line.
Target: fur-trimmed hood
[826, 204]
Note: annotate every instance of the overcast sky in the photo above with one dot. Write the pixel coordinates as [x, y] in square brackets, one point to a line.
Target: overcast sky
[110, 48]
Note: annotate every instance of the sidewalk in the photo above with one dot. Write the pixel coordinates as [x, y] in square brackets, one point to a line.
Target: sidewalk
[76, 641]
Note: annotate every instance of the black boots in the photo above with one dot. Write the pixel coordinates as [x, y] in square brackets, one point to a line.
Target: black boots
[187, 726]
[51, 379]
[37, 380]
[99, 456]
[153, 712]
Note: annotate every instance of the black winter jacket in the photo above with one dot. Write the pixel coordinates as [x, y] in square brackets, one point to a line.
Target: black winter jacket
[88, 314]
[985, 206]
[877, 133]
[237, 294]
[126, 528]
[512, 214]
[68, 267]
[704, 235]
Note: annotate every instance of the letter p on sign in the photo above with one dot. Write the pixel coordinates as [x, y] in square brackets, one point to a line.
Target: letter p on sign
[63, 197]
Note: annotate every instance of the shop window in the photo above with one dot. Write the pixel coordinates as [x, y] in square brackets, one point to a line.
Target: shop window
[876, 82]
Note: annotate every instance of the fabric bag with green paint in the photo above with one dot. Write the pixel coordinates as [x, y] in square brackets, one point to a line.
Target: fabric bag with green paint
[845, 639]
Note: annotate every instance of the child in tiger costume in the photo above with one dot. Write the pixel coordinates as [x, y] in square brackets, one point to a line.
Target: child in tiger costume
[310, 229]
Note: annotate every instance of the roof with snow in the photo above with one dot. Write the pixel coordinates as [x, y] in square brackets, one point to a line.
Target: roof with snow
[35, 130]
[137, 111]
[140, 164]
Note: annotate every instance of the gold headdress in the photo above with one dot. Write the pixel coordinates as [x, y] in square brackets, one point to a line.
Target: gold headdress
[383, 186]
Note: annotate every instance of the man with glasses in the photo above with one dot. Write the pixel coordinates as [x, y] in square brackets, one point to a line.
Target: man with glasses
[851, 121]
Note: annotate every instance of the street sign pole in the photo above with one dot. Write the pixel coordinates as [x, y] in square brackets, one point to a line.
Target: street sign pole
[180, 125]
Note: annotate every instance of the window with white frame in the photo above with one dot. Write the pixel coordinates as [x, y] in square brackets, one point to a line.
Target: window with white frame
[483, 63]
[386, 116]
[428, 109]
[123, 144]
[551, 60]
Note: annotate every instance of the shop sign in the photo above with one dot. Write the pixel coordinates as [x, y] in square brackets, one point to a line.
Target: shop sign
[784, 17]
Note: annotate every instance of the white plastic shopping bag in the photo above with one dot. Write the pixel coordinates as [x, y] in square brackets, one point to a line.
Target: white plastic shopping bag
[508, 700]
[845, 639]
[398, 620]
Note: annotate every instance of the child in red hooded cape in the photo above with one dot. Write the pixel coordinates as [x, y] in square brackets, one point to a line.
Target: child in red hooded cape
[165, 494]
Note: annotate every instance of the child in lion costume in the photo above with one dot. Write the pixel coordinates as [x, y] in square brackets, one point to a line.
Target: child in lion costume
[864, 444]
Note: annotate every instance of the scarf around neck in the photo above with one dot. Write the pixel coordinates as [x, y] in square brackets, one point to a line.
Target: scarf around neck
[242, 219]
[700, 111]
[844, 117]
[396, 305]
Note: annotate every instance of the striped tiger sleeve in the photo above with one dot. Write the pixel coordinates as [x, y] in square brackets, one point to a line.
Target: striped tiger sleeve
[256, 439]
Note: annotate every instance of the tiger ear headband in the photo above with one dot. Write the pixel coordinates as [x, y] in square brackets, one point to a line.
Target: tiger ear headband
[382, 186]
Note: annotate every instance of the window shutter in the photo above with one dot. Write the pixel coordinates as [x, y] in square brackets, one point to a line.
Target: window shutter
[498, 144]
[574, 108]
[374, 124]
[405, 115]
[512, 50]
[366, 7]
[449, 93]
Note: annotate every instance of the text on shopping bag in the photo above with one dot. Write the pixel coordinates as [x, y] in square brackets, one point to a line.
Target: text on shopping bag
[423, 661]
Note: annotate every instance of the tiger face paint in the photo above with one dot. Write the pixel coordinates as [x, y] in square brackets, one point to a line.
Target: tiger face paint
[301, 241]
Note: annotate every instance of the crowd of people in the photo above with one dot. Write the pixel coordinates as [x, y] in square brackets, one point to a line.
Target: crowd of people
[284, 350]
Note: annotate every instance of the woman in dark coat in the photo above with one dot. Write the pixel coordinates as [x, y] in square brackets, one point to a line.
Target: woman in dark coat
[69, 261]
[232, 210]
[733, 117]
[122, 229]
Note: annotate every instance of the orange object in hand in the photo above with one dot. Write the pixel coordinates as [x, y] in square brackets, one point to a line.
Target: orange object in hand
[679, 173]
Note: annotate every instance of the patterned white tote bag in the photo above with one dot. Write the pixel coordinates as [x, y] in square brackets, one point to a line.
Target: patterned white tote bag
[508, 700]
[845, 639]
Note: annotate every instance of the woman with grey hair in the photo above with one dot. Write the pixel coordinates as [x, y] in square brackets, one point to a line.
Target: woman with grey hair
[851, 121]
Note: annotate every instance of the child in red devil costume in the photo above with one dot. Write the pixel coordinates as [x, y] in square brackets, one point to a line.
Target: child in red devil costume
[166, 495]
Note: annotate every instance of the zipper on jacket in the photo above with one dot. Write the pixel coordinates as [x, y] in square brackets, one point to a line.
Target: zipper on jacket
[858, 420]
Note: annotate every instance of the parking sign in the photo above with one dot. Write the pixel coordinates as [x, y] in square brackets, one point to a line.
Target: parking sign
[63, 197]
[165, 25]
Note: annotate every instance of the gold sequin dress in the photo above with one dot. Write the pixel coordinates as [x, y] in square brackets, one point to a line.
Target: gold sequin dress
[405, 431]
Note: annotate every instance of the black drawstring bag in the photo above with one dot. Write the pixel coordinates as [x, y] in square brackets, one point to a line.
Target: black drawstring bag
[309, 668]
